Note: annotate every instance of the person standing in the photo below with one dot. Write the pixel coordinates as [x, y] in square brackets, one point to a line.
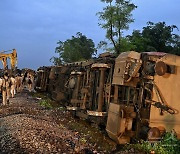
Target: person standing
[1, 82]
[13, 86]
[18, 83]
[29, 82]
[5, 89]
[20, 79]
[24, 80]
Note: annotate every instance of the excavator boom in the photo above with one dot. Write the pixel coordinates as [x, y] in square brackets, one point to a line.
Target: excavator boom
[12, 56]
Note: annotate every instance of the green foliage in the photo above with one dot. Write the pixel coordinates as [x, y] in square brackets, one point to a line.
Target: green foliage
[115, 18]
[137, 41]
[159, 36]
[57, 61]
[126, 45]
[77, 48]
[46, 103]
[156, 37]
[168, 145]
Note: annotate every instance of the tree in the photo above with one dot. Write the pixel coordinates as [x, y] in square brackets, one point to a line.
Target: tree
[176, 45]
[116, 17]
[137, 42]
[156, 37]
[77, 48]
[159, 36]
[57, 61]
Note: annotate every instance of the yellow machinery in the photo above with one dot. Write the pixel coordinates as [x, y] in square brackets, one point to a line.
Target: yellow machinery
[12, 56]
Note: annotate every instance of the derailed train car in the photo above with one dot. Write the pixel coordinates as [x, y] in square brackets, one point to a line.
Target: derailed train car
[53, 79]
[92, 87]
[137, 93]
[42, 75]
[146, 99]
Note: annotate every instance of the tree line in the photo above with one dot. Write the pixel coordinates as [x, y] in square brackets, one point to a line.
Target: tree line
[115, 19]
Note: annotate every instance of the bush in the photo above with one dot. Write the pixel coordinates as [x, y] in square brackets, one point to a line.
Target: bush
[168, 145]
[46, 104]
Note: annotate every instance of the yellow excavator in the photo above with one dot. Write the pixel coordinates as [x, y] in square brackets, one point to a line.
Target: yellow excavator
[12, 56]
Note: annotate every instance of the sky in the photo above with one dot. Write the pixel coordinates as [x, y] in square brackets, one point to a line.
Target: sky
[33, 27]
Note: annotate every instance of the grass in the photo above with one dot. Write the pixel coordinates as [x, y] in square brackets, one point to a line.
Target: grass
[92, 134]
[168, 145]
[45, 101]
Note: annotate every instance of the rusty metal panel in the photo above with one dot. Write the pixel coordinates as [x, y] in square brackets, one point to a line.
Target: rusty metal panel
[76, 101]
[129, 54]
[100, 65]
[106, 54]
[126, 69]
[42, 82]
[52, 74]
[64, 69]
[113, 119]
[119, 123]
[168, 86]
[119, 70]
[58, 96]
[96, 113]
[76, 73]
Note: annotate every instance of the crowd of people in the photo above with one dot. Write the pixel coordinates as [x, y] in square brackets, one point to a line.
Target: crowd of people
[10, 85]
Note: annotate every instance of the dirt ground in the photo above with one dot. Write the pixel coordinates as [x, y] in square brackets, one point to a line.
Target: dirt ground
[27, 127]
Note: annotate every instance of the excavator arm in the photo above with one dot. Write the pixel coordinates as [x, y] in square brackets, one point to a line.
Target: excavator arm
[12, 56]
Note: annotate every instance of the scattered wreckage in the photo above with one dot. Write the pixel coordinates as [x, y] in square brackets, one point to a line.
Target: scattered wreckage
[135, 95]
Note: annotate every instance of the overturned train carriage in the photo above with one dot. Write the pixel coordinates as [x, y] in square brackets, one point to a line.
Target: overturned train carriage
[57, 79]
[42, 78]
[146, 99]
[137, 93]
[92, 87]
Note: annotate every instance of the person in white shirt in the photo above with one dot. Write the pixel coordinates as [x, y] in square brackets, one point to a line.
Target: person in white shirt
[13, 86]
[18, 79]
